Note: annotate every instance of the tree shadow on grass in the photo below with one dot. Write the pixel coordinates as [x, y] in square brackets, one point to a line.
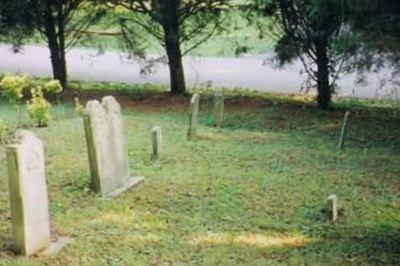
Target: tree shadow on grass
[365, 130]
[379, 245]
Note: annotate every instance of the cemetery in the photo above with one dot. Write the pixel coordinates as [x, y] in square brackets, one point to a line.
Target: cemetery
[199, 132]
[257, 189]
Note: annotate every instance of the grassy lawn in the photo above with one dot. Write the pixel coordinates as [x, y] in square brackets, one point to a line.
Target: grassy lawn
[252, 193]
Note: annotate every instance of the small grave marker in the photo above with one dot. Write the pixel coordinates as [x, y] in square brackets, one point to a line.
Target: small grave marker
[333, 207]
[218, 109]
[344, 130]
[193, 116]
[156, 135]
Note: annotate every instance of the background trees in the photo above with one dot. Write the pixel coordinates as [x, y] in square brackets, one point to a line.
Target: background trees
[16, 20]
[376, 38]
[310, 31]
[326, 35]
[62, 23]
[173, 22]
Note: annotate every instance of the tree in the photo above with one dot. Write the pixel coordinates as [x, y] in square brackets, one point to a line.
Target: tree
[16, 20]
[62, 23]
[174, 22]
[376, 38]
[310, 30]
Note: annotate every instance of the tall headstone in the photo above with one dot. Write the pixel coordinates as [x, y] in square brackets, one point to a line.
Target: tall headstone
[107, 150]
[333, 207]
[30, 215]
[193, 115]
[218, 109]
[156, 135]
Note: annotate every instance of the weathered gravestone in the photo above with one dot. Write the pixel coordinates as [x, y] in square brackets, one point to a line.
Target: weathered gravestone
[156, 135]
[218, 109]
[30, 216]
[333, 207]
[193, 115]
[107, 150]
[343, 132]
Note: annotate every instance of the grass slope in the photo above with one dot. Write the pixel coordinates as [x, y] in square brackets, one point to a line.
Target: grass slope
[252, 193]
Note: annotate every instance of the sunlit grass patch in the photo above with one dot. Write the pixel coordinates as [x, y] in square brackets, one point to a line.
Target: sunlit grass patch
[251, 239]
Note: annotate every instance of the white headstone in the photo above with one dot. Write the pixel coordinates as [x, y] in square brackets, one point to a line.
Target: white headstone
[30, 216]
[107, 150]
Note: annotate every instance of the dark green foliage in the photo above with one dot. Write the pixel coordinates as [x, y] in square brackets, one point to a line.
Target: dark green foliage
[376, 27]
[16, 21]
[62, 23]
[309, 32]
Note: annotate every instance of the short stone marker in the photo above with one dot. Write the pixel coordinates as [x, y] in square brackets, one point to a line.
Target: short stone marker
[30, 215]
[193, 115]
[344, 130]
[218, 109]
[156, 135]
[107, 151]
[333, 207]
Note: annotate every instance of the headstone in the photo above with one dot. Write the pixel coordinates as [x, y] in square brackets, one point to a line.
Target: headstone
[344, 130]
[193, 115]
[156, 134]
[218, 109]
[30, 217]
[333, 207]
[107, 150]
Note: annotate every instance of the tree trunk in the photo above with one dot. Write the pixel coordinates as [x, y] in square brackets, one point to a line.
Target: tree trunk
[176, 71]
[170, 25]
[52, 43]
[323, 86]
[61, 40]
[56, 43]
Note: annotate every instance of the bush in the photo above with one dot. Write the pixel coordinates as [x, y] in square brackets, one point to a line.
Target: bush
[79, 109]
[12, 87]
[3, 130]
[53, 86]
[39, 108]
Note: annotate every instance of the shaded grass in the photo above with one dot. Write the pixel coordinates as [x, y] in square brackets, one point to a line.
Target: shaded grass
[252, 193]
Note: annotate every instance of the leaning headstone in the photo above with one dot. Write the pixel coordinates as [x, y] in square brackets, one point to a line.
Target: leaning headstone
[193, 115]
[218, 109]
[333, 207]
[156, 135]
[344, 130]
[107, 150]
[30, 217]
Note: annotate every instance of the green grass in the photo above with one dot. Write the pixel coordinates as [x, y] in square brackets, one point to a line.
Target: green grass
[252, 193]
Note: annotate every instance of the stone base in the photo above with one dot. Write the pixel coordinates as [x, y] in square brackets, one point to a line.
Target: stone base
[55, 247]
[133, 181]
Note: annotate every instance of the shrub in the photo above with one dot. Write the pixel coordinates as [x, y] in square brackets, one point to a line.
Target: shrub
[12, 87]
[39, 108]
[3, 130]
[79, 109]
[53, 86]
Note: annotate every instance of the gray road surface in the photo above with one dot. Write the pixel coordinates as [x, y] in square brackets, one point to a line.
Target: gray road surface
[247, 72]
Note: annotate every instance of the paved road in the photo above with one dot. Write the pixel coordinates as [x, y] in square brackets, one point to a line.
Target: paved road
[247, 72]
